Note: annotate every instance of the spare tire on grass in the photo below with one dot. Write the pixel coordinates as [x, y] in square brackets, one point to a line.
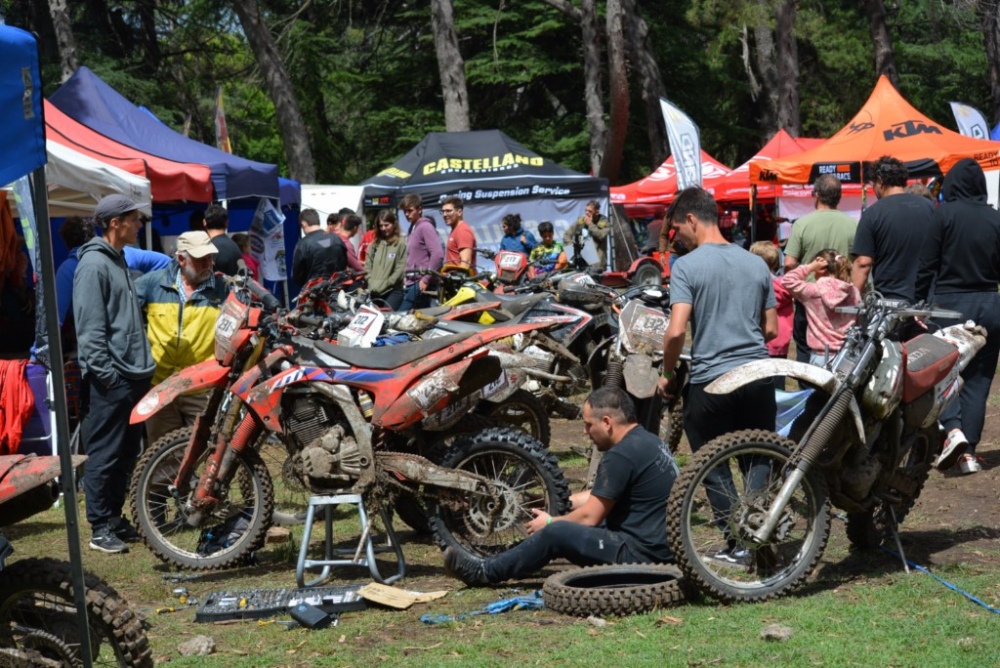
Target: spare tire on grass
[615, 590]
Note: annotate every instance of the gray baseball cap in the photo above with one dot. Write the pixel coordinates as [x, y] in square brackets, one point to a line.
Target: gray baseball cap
[113, 206]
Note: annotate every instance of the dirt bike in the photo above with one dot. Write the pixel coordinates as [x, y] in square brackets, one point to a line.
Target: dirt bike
[865, 442]
[38, 616]
[351, 421]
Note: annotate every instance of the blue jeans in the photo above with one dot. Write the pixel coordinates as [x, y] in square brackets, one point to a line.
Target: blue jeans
[581, 545]
[968, 412]
[413, 298]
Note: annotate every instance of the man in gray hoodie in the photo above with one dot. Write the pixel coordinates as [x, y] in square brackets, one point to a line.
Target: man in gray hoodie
[423, 251]
[117, 367]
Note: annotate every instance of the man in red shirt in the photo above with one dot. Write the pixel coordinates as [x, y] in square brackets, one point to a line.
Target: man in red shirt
[461, 247]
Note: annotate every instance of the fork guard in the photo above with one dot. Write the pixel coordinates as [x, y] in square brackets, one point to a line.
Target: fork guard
[816, 376]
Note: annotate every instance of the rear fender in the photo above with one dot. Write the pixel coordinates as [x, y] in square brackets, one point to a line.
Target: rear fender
[434, 392]
[813, 375]
[205, 375]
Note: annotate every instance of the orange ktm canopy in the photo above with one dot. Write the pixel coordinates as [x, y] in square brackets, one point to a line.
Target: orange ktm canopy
[169, 181]
[655, 192]
[886, 125]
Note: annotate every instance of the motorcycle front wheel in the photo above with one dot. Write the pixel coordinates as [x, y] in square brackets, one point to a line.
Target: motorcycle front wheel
[38, 617]
[234, 529]
[524, 476]
[722, 495]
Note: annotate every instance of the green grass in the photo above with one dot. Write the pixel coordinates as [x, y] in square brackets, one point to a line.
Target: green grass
[860, 610]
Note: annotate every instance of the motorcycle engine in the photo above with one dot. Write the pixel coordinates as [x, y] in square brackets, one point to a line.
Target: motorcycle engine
[329, 457]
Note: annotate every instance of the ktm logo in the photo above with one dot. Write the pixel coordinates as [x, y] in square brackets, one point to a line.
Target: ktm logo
[860, 127]
[767, 175]
[909, 129]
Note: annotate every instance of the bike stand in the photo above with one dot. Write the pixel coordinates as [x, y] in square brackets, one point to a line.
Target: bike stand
[331, 555]
[895, 534]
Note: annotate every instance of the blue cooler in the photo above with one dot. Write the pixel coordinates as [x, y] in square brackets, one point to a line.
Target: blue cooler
[37, 435]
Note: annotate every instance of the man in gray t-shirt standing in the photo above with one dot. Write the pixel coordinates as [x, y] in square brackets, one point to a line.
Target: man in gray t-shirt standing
[726, 294]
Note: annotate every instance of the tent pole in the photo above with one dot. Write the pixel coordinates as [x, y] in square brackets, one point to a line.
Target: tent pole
[753, 212]
[61, 434]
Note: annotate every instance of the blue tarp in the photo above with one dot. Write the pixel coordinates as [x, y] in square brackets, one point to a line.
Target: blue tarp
[88, 100]
[22, 142]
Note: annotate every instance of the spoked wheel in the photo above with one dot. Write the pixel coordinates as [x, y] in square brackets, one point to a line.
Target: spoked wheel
[38, 616]
[521, 410]
[872, 528]
[236, 526]
[711, 538]
[628, 589]
[523, 475]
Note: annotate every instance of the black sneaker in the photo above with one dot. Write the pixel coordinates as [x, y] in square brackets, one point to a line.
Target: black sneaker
[462, 567]
[125, 531]
[738, 557]
[105, 540]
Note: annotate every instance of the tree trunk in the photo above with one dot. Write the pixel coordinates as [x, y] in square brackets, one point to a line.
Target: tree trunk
[988, 12]
[618, 91]
[593, 90]
[64, 37]
[788, 69]
[451, 67]
[767, 70]
[885, 60]
[650, 79]
[279, 87]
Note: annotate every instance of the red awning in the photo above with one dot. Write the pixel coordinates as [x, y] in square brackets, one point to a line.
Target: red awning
[169, 181]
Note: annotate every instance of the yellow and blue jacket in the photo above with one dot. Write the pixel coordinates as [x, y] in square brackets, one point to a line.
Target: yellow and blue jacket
[180, 334]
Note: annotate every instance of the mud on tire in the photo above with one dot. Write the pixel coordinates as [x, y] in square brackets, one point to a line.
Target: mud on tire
[246, 507]
[615, 590]
[528, 476]
[38, 612]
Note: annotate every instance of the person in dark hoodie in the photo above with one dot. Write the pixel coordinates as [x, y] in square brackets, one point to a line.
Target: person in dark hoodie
[117, 366]
[423, 251]
[959, 269]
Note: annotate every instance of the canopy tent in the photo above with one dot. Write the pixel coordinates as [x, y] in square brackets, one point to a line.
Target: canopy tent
[75, 183]
[652, 194]
[90, 101]
[169, 181]
[494, 175]
[886, 125]
[735, 186]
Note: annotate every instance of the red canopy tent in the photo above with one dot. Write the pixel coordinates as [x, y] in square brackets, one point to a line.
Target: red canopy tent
[169, 181]
[735, 186]
[886, 125]
[654, 193]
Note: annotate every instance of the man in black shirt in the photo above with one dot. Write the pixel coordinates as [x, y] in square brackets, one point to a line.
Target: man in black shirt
[229, 255]
[621, 520]
[317, 253]
[891, 233]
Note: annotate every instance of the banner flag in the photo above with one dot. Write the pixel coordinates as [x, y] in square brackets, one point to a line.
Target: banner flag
[221, 131]
[685, 145]
[970, 120]
[267, 240]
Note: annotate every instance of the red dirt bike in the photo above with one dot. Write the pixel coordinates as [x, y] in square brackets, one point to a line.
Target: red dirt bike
[865, 441]
[352, 421]
[38, 617]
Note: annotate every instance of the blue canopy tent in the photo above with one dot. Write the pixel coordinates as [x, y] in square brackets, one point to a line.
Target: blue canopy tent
[22, 139]
[89, 100]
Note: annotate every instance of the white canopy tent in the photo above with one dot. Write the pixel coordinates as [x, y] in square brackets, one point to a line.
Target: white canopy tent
[76, 182]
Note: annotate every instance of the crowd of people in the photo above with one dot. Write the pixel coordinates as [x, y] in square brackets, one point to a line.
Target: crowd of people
[737, 305]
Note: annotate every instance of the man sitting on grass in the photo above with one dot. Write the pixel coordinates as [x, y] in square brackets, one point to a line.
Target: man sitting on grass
[621, 520]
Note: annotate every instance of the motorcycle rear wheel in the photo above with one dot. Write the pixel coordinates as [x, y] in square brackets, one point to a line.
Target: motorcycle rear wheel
[227, 537]
[714, 547]
[521, 410]
[38, 613]
[526, 474]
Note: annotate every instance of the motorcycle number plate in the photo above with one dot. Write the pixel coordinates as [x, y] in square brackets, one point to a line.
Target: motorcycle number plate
[497, 385]
[510, 261]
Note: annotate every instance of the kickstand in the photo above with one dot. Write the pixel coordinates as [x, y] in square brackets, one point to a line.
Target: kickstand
[894, 526]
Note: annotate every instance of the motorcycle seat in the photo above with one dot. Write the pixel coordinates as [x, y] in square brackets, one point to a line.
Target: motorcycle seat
[390, 357]
[518, 304]
[432, 312]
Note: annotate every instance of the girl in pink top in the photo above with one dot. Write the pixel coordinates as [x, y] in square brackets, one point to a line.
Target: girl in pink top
[833, 288]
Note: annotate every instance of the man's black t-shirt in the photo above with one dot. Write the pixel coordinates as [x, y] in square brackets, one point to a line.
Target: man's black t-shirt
[637, 473]
[229, 255]
[318, 254]
[892, 232]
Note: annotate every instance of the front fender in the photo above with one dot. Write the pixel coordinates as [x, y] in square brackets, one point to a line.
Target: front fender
[817, 376]
[202, 376]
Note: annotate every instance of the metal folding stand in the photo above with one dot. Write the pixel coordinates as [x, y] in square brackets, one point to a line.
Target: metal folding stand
[334, 556]
[895, 535]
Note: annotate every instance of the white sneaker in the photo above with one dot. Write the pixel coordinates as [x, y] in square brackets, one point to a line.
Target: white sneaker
[968, 464]
[954, 447]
